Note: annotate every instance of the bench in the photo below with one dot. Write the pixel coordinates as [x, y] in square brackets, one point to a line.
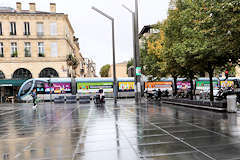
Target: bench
[84, 99]
[71, 99]
[59, 99]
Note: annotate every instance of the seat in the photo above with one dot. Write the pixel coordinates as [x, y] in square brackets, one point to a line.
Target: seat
[71, 99]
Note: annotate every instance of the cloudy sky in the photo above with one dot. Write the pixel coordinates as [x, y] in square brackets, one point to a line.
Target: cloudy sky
[94, 30]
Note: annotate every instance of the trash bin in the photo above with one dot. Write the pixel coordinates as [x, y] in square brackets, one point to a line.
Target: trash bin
[232, 103]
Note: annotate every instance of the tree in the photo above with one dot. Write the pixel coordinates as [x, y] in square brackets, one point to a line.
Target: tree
[215, 34]
[200, 35]
[151, 54]
[130, 63]
[104, 70]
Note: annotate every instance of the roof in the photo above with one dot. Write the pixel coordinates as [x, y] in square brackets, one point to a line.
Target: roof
[9, 10]
[11, 82]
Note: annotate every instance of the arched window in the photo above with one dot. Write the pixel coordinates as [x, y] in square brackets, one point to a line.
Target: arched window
[22, 73]
[2, 76]
[48, 73]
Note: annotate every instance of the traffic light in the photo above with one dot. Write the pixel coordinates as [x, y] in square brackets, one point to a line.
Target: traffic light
[226, 74]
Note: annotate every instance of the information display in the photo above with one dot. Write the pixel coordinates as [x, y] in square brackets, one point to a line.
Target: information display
[163, 85]
[126, 87]
[183, 85]
[85, 87]
[225, 84]
[58, 88]
[202, 85]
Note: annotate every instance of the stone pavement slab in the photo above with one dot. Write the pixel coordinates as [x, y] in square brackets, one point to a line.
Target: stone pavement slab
[125, 131]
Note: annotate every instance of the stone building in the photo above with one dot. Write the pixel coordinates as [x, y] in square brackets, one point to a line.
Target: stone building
[89, 68]
[121, 70]
[35, 44]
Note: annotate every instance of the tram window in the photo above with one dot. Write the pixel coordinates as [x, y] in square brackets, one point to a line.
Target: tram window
[40, 87]
[39, 84]
[26, 88]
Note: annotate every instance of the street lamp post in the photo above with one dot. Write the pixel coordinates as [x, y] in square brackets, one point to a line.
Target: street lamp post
[136, 51]
[113, 47]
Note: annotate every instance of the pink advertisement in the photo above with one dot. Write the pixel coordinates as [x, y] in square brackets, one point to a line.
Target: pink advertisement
[58, 88]
[183, 85]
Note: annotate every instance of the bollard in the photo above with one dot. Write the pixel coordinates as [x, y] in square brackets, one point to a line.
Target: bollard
[232, 103]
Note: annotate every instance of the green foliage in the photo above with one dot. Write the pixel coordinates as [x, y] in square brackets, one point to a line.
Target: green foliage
[130, 63]
[199, 36]
[104, 70]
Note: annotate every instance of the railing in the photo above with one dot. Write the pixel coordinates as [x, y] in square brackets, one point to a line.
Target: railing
[40, 33]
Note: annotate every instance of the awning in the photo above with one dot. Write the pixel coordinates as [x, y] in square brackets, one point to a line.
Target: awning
[11, 82]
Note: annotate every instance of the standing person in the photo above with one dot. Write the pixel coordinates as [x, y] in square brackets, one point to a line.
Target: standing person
[159, 94]
[34, 95]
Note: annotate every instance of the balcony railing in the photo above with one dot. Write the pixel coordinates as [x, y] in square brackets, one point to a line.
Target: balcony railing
[26, 33]
[27, 55]
[41, 55]
[40, 33]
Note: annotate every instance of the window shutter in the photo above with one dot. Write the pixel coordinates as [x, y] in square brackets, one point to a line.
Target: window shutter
[53, 29]
[54, 50]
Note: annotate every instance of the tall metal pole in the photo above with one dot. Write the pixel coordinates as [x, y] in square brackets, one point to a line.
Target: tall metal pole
[137, 52]
[134, 51]
[114, 65]
[113, 47]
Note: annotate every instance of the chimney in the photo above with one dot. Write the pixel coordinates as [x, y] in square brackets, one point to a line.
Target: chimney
[53, 7]
[32, 7]
[18, 6]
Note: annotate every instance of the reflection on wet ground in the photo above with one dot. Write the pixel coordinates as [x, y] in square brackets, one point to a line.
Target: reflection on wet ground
[117, 132]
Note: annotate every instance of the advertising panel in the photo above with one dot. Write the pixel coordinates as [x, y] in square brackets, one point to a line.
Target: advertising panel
[183, 85]
[163, 85]
[57, 88]
[203, 85]
[126, 87]
[225, 84]
[86, 87]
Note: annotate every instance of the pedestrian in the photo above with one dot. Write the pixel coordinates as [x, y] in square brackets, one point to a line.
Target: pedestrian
[34, 96]
[159, 93]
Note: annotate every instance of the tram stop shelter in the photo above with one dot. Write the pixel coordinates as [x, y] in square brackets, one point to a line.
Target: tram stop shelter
[9, 88]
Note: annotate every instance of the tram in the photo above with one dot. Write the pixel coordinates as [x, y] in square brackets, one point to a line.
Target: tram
[64, 86]
[126, 87]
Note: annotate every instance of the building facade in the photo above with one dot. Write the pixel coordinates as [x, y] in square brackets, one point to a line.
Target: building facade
[89, 68]
[121, 70]
[35, 44]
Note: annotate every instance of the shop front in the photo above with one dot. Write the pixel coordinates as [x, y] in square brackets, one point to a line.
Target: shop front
[9, 89]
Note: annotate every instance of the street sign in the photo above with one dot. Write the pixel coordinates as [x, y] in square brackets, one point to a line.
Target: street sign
[138, 71]
[6, 85]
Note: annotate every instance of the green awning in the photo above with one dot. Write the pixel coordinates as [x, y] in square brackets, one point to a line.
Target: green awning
[11, 82]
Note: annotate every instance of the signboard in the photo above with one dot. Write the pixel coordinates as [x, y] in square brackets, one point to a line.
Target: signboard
[183, 85]
[225, 84]
[138, 71]
[6, 85]
[163, 85]
[86, 87]
[203, 85]
[57, 88]
[126, 87]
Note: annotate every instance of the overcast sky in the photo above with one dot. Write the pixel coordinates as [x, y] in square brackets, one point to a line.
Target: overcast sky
[94, 30]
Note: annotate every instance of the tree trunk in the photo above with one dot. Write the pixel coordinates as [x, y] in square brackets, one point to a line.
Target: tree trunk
[175, 85]
[191, 82]
[210, 72]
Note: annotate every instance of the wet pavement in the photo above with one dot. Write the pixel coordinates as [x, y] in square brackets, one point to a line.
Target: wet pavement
[117, 132]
